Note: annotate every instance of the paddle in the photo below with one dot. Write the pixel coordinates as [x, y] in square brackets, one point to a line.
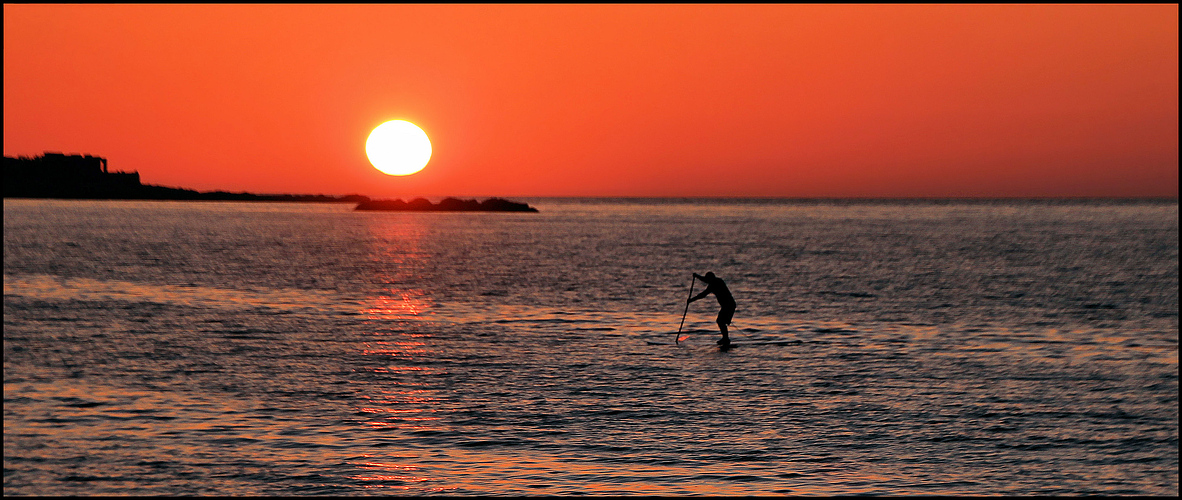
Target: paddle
[677, 339]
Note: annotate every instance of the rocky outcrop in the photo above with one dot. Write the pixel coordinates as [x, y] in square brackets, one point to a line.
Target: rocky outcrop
[447, 205]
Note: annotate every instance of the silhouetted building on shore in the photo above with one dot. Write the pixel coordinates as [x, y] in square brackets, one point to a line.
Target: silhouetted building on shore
[53, 175]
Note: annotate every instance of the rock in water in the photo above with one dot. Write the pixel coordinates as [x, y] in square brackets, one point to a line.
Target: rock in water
[447, 205]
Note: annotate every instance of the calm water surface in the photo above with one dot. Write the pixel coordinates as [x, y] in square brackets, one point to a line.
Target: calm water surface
[244, 349]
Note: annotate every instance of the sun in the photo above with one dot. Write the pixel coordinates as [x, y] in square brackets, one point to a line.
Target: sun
[398, 147]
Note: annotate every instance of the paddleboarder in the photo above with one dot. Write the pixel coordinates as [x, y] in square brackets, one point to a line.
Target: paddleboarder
[715, 285]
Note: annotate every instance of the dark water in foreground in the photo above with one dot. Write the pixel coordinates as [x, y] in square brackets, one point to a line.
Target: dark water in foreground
[940, 348]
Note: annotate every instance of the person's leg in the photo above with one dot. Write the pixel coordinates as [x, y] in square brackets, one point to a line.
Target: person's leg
[724, 318]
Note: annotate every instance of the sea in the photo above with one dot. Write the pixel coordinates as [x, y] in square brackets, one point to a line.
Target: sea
[926, 347]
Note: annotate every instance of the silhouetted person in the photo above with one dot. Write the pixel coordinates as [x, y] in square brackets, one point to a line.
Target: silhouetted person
[715, 285]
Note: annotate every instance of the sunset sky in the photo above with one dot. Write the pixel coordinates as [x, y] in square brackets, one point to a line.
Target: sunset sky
[608, 100]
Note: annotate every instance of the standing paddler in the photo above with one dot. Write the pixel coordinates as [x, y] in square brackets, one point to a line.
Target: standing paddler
[715, 285]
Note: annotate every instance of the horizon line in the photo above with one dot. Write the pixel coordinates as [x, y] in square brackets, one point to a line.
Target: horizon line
[631, 197]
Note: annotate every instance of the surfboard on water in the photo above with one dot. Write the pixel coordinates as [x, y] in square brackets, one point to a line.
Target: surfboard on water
[671, 334]
[760, 342]
[737, 343]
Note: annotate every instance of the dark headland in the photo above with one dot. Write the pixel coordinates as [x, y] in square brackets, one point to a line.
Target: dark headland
[85, 177]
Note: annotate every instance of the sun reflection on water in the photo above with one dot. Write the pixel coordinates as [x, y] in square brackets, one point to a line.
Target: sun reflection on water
[393, 475]
[395, 248]
[394, 342]
[399, 305]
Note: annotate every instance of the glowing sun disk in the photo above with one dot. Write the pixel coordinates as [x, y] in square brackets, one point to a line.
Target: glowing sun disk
[398, 147]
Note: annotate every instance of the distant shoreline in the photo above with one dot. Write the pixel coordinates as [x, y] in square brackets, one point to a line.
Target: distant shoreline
[86, 177]
[191, 195]
[320, 198]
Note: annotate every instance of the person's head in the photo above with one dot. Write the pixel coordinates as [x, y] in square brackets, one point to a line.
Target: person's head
[709, 276]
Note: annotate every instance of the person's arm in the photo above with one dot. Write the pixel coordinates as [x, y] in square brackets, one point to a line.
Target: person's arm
[700, 295]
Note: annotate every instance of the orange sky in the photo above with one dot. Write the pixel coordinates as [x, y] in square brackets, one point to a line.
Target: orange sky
[608, 100]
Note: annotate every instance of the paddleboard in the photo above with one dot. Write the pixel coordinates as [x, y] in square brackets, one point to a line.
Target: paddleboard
[738, 343]
[763, 342]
